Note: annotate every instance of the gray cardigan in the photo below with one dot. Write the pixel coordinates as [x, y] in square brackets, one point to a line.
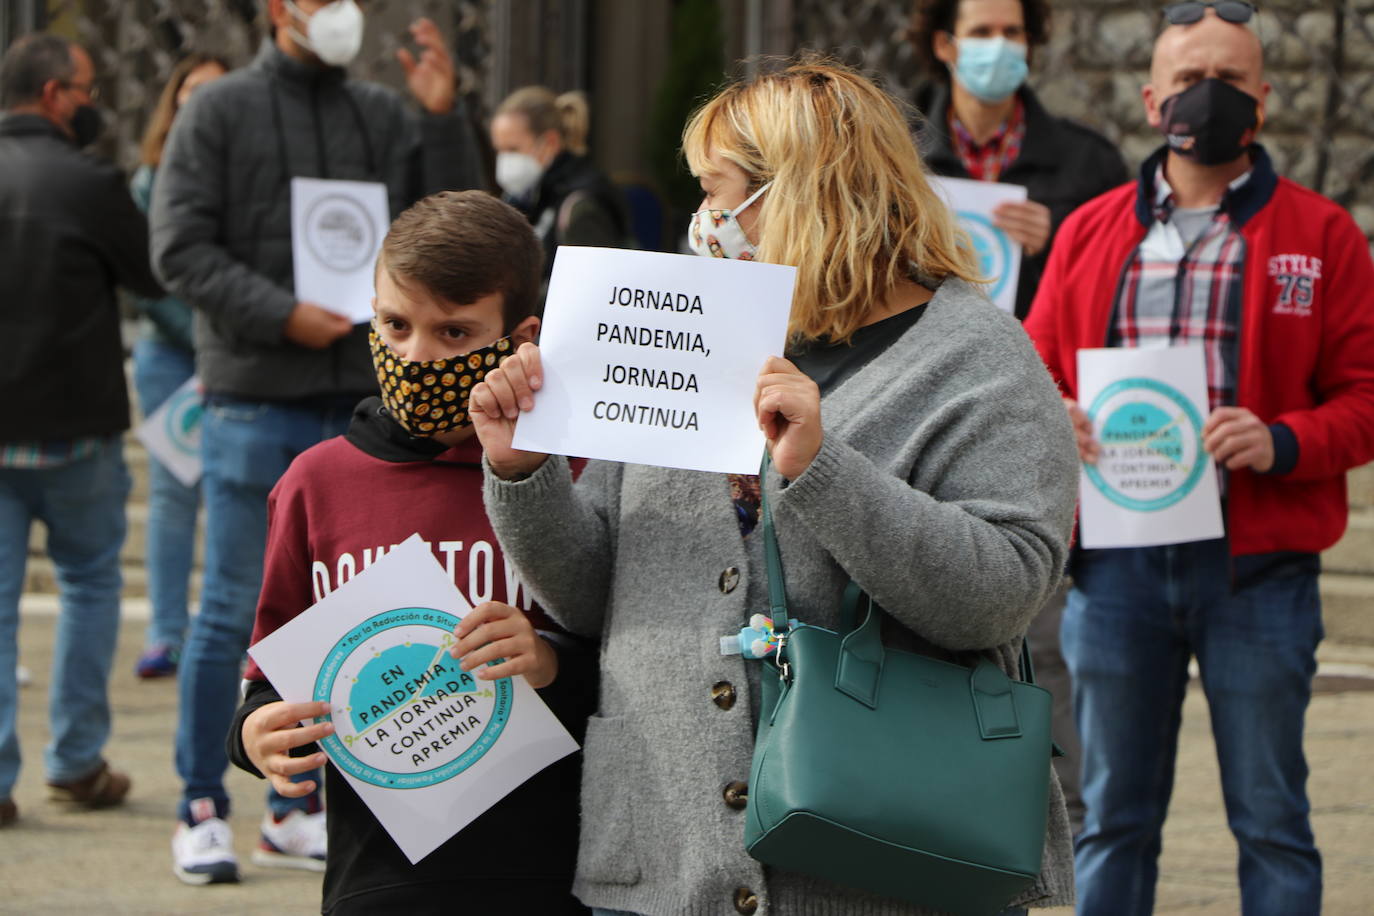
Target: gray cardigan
[945, 487]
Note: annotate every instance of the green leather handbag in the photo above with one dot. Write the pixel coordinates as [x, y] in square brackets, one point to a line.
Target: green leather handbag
[893, 772]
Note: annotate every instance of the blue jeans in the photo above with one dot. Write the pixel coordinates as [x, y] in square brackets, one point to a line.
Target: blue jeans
[159, 370]
[246, 446]
[82, 506]
[1133, 620]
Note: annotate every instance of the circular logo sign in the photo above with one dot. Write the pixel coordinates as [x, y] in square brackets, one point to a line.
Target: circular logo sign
[992, 248]
[1151, 438]
[405, 715]
[340, 233]
[181, 422]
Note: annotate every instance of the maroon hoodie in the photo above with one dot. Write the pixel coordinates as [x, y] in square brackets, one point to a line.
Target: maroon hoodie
[338, 508]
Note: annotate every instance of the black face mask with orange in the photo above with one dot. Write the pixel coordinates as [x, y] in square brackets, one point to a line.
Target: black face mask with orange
[428, 398]
[1211, 122]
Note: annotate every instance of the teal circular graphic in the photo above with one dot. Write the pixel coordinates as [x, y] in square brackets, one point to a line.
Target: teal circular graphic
[992, 248]
[1151, 438]
[181, 422]
[405, 715]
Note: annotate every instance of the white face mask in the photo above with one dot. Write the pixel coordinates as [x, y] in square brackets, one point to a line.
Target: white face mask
[517, 173]
[717, 233]
[334, 32]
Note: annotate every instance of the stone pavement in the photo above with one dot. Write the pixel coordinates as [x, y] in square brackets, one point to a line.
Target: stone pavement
[119, 861]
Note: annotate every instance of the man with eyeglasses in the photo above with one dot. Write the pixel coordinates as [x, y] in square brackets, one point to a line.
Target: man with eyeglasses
[1212, 247]
[69, 232]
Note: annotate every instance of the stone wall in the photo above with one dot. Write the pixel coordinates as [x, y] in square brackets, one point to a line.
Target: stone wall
[1320, 62]
[1319, 58]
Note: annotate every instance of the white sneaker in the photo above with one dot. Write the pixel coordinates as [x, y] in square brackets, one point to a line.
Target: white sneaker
[204, 854]
[296, 841]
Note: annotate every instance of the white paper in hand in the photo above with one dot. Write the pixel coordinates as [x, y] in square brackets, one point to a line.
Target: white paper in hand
[999, 255]
[337, 229]
[1153, 483]
[426, 746]
[652, 358]
[172, 432]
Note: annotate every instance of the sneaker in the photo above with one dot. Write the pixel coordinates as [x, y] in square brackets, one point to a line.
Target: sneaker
[102, 789]
[159, 660]
[9, 812]
[203, 853]
[295, 841]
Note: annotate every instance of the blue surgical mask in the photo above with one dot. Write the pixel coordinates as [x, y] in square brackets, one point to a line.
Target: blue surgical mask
[991, 68]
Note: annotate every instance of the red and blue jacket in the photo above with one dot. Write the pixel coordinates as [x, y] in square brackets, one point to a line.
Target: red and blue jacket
[1306, 346]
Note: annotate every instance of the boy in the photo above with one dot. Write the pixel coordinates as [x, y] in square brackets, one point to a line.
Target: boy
[458, 275]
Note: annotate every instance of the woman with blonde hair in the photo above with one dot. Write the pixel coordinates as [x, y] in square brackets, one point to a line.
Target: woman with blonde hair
[918, 448]
[544, 171]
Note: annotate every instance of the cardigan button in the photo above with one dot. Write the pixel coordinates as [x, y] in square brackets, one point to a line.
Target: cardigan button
[729, 578]
[736, 795]
[723, 694]
[746, 901]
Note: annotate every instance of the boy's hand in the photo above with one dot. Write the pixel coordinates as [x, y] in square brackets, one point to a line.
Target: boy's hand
[495, 404]
[269, 734]
[494, 630]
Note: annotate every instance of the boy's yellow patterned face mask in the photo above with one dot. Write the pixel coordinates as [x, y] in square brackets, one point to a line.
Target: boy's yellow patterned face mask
[430, 398]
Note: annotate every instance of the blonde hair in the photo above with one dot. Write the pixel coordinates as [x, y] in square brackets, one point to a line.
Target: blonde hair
[567, 114]
[850, 205]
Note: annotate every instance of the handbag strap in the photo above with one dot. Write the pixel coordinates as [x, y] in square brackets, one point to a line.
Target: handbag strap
[777, 585]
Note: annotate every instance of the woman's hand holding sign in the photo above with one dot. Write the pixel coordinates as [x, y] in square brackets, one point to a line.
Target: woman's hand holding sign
[788, 405]
[495, 405]
[271, 732]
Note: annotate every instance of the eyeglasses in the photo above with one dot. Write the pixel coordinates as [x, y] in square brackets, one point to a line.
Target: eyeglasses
[91, 90]
[1237, 11]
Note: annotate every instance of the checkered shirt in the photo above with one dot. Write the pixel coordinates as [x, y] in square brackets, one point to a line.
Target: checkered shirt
[987, 161]
[1174, 293]
[35, 456]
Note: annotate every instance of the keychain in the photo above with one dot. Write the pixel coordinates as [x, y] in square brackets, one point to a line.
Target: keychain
[754, 641]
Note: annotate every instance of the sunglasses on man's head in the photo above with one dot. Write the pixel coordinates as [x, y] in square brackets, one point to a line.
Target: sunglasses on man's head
[1237, 11]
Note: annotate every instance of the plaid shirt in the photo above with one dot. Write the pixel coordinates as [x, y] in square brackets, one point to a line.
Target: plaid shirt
[987, 161]
[35, 456]
[1174, 292]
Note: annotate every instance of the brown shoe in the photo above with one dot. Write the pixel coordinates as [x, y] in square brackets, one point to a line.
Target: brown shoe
[101, 789]
[9, 812]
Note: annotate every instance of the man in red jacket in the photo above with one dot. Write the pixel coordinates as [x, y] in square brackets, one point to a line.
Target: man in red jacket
[1276, 284]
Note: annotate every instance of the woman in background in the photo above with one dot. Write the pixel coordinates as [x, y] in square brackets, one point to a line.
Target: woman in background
[164, 358]
[543, 170]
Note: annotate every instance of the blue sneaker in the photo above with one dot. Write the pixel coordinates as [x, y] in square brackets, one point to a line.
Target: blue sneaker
[159, 660]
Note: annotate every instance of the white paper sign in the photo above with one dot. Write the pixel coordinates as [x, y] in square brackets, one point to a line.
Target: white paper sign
[172, 432]
[1152, 483]
[337, 229]
[999, 256]
[652, 358]
[427, 746]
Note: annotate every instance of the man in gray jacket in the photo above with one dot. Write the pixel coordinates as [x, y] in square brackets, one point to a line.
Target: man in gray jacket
[280, 374]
